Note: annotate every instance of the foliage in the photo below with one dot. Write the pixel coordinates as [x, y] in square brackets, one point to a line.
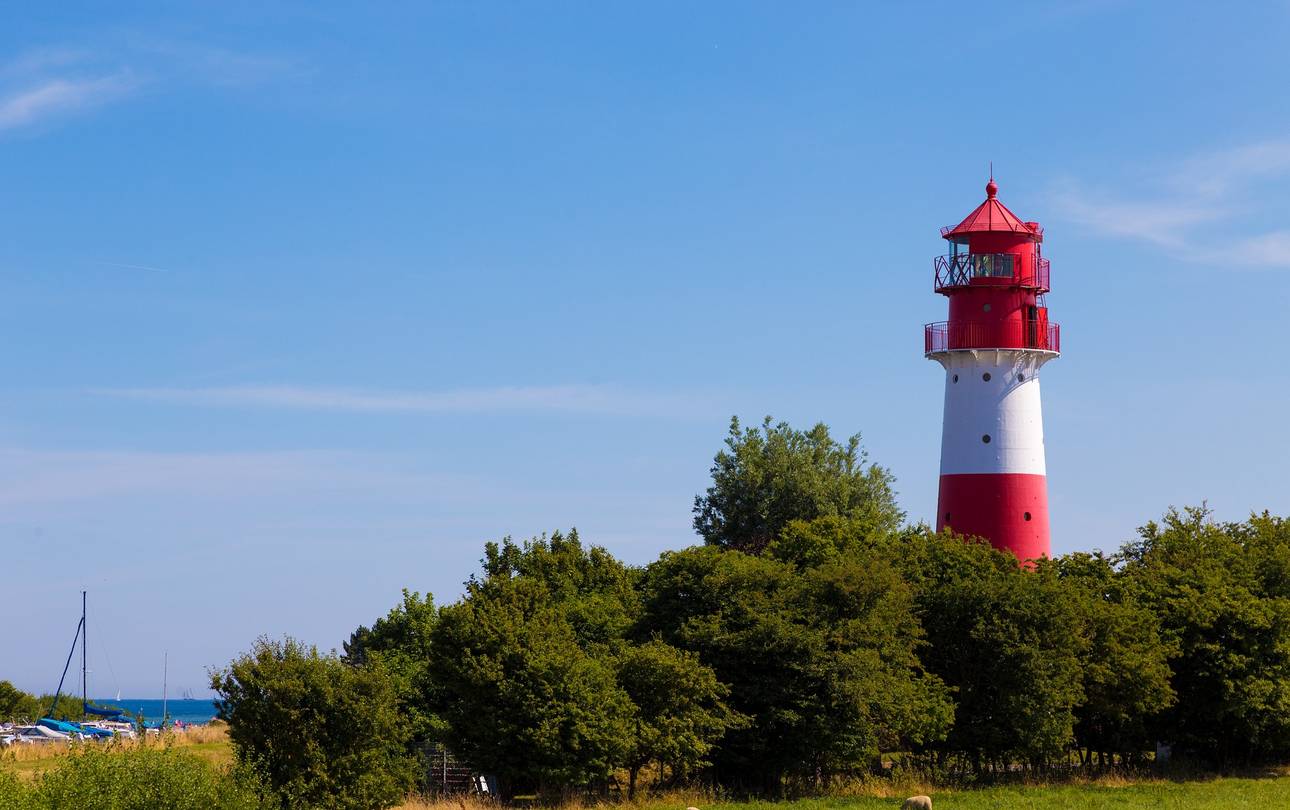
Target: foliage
[319, 732]
[14, 795]
[67, 707]
[522, 668]
[1125, 665]
[591, 589]
[769, 476]
[1007, 640]
[1222, 595]
[810, 638]
[141, 778]
[399, 643]
[539, 682]
[678, 709]
[822, 662]
[16, 705]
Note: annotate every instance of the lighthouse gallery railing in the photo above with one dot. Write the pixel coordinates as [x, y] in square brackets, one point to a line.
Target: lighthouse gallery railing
[948, 336]
[960, 269]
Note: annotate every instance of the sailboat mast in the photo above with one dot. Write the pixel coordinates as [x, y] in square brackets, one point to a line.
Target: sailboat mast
[85, 632]
[165, 674]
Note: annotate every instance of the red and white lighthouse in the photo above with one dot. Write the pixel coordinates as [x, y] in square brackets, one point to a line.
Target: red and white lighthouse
[998, 336]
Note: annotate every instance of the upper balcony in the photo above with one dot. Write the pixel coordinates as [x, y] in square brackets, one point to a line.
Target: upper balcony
[1012, 334]
[989, 269]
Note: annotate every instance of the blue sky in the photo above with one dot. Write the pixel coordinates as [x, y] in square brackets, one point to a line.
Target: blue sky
[301, 303]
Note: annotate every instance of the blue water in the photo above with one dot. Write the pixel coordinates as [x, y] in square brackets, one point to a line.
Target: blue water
[190, 711]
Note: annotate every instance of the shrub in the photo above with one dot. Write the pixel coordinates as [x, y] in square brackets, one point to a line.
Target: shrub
[319, 732]
[14, 795]
[139, 778]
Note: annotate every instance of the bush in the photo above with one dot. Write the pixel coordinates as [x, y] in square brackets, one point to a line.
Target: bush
[14, 795]
[138, 778]
[319, 732]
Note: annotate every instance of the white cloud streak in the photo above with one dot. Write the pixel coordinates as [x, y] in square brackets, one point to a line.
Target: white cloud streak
[584, 399]
[57, 97]
[49, 83]
[34, 477]
[1197, 210]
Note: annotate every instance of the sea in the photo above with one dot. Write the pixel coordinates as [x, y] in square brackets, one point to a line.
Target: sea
[189, 711]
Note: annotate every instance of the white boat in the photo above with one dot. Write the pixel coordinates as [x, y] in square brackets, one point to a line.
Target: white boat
[40, 734]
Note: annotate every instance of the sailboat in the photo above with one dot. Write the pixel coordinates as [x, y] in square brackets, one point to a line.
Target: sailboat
[67, 727]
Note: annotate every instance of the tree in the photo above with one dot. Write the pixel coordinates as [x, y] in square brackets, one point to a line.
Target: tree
[319, 732]
[768, 476]
[524, 667]
[399, 643]
[1125, 666]
[16, 705]
[1007, 640]
[1220, 592]
[678, 710]
[822, 662]
[592, 590]
[520, 697]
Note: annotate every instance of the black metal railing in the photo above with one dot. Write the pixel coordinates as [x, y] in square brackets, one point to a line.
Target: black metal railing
[959, 269]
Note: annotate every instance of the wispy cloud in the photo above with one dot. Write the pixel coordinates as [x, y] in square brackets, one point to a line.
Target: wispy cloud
[48, 98]
[52, 82]
[224, 66]
[135, 267]
[585, 399]
[30, 478]
[1198, 208]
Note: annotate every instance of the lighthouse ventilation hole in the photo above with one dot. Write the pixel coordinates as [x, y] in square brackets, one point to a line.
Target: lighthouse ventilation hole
[1021, 377]
[1026, 515]
[947, 517]
[986, 376]
[956, 378]
[986, 438]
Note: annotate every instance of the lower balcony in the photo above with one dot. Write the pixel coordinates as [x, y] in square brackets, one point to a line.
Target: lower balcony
[948, 336]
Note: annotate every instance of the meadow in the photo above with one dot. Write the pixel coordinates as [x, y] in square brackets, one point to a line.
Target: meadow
[1264, 789]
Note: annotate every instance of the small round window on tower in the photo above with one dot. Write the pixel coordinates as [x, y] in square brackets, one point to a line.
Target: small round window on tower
[986, 376]
[947, 517]
[1021, 377]
[1026, 515]
[986, 438]
[985, 308]
[956, 378]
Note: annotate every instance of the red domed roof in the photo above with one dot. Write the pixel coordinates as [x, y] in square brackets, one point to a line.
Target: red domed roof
[992, 215]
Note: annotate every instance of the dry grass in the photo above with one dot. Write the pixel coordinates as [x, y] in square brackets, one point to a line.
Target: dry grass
[208, 742]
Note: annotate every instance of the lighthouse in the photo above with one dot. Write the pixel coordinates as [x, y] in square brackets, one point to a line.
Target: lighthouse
[993, 480]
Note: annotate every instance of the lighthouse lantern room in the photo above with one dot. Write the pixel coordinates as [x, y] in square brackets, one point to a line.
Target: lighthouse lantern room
[993, 481]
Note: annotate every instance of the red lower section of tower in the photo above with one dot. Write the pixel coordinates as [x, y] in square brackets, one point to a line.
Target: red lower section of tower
[1008, 509]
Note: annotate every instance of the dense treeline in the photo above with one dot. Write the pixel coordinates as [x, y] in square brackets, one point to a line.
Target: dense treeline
[17, 706]
[814, 635]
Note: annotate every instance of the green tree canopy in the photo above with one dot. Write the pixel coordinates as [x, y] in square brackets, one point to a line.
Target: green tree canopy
[521, 698]
[1007, 640]
[1125, 665]
[399, 642]
[678, 710]
[16, 705]
[823, 663]
[1222, 597]
[319, 732]
[769, 476]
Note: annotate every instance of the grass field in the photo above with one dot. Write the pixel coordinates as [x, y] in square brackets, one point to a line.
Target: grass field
[1265, 793]
[1270, 791]
[208, 742]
